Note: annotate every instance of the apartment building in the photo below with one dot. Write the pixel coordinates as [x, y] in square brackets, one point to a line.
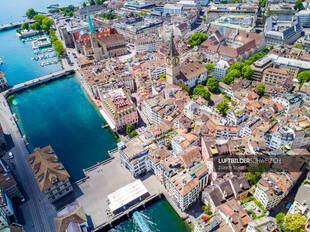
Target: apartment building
[273, 187]
[119, 110]
[275, 76]
[263, 224]
[49, 173]
[259, 66]
[220, 68]
[183, 140]
[227, 131]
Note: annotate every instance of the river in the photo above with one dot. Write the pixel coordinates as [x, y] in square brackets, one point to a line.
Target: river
[61, 114]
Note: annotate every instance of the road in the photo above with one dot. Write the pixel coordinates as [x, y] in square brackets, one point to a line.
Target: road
[38, 212]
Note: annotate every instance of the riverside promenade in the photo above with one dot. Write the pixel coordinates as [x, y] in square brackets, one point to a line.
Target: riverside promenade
[37, 81]
[9, 26]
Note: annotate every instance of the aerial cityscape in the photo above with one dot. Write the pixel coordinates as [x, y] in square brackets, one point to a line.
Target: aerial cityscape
[155, 116]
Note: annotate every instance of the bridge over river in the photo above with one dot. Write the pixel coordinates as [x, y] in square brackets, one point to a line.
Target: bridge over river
[15, 24]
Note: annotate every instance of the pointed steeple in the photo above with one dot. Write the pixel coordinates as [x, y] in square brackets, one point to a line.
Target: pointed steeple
[91, 28]
[172, 50]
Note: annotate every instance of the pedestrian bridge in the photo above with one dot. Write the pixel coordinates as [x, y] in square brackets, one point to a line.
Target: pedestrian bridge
[15, 24]
[38, 81]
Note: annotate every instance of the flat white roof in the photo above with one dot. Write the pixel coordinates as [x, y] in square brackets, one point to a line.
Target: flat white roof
[126, 194]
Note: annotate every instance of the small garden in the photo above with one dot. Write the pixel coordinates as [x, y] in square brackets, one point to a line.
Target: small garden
[253, 207]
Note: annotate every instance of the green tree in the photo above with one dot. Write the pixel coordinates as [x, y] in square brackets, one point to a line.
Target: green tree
[223, 107]
[230, 76]
[197, 38]
[255, 173]
[297, 45]
[184, 87]
[30, 13]
[213, 84]
[84, 4]
[201, 91]
[47, 23]
[209, 68]
[99, 2]
[299, 5]
[268, 12]
[39, 18]
[35, 26]
[130, 130]
[303, 77]
[204, 18]
[294, 223]
[260, 89]
[237, 65]
[247, 72]
[280, 217]
[59, 48]
[91, 2]
[25, 26]
[163, 76]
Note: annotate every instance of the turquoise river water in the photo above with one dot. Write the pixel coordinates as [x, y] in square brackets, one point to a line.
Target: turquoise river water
[61, 114]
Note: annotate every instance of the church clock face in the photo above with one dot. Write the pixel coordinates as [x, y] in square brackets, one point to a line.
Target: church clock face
[175, 61]
[168, 60]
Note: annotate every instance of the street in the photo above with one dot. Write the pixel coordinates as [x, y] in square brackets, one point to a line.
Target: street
[38, 212]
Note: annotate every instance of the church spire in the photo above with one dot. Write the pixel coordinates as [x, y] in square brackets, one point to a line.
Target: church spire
[172, 50]
[91, 28]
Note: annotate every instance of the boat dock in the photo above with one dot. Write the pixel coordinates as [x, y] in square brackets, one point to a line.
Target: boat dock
[9, 26]
[38, 81]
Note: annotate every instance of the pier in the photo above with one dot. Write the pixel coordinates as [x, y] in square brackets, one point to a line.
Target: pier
[9, 26]
[38, 81]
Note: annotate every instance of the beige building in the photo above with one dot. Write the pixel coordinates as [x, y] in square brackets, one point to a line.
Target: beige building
[51, 176]
[275, 76]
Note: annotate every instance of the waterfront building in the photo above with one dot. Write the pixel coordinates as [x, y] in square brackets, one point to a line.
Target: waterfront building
[27, 33]
[71, 218]
[3, 82]
[262, 224]
[14, 227]
[273, 187]
[282, 29]
[127, 196]
[234, 216]
[119, 109]
[49, 173]
[189, 73]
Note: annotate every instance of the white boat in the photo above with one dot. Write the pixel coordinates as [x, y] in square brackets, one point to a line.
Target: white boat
[1, 61]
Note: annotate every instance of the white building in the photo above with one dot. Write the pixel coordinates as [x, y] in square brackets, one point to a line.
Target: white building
[282, 137]
[220, 68]
[262, 224]
[173, 9]
[304, 18]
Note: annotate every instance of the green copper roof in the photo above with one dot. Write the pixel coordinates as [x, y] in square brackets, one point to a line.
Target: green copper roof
[172, 50]
[91, 28]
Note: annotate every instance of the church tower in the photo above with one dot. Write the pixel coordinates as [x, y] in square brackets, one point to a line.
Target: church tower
[172, 63]
[93, 40]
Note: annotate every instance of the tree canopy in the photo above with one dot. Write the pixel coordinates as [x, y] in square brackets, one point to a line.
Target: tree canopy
[25, 26]
[280, 217]
[260, 89]
[294, 223]
[197, 38]
[184, 87]
[247, 72]
[298, 45]
[213, 84]
[130, 130]
[30, 13]
[209, 67]
[201, 91]
[223, 107]
[59, 48]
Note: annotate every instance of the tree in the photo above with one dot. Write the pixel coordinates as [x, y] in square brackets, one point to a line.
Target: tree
[297, 45]
[25, 26]
[237, 65]
[204, 18]
[35, 26]
[91, 2]
[280, 217]
[59, 48]
[84, 4]
[255, 173]
[223, 107]
[303, 77]
[39, 18]
[197, 38]
[213, 84]
[247, 72]
[99, 2]
[162, 76]
[230, 76]
[47, 23]
[299, 5]
[294, 223]
[184, 87]
[201, 91]
[260, 89]
[30, 13]
[268, 12]
[209, 68]
[130, 131]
